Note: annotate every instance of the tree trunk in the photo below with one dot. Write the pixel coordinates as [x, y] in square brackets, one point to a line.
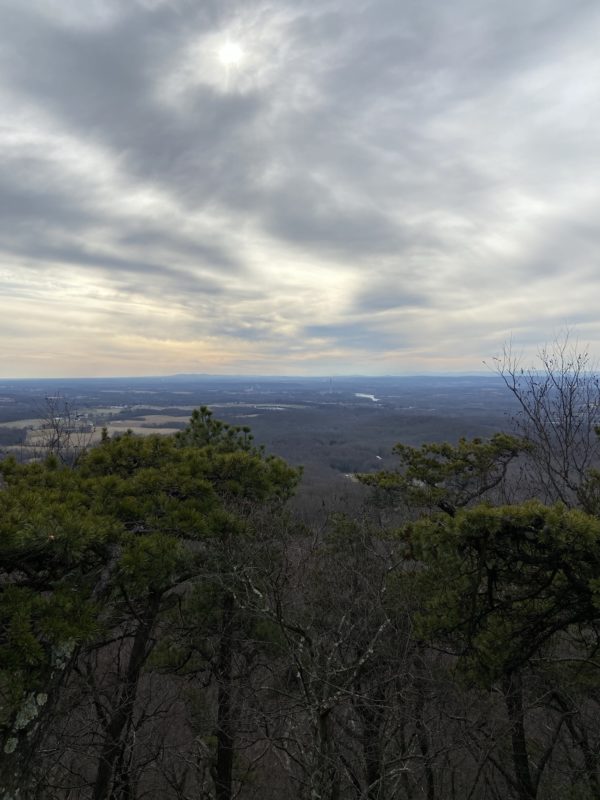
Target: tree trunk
[421, 729]
[13, 765]
[20, 740]
[513, 695]
[580, 740]
[370, 710]
[225, 738]
[111, 783]
[325, 779]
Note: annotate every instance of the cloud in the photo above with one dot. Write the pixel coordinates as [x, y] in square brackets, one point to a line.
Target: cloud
[376, 186]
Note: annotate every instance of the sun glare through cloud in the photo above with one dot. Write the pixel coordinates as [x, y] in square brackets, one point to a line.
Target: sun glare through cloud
[230, 54]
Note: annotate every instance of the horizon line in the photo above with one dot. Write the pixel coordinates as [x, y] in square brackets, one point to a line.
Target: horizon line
[256, 376]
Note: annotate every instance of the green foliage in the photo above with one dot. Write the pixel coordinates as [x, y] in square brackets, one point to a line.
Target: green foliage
[152, 563]
[52, 551]
[447, 476]
[204, 430]
[499, 584]
[132, 519]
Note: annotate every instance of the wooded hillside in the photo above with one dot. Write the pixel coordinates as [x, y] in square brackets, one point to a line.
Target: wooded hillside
[168, 629]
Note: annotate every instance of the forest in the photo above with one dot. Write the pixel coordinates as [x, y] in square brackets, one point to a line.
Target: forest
[171, 627]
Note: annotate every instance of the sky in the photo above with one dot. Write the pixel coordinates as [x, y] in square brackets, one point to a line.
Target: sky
[295, 186]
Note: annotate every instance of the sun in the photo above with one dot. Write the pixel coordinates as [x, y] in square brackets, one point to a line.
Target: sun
[230, 54]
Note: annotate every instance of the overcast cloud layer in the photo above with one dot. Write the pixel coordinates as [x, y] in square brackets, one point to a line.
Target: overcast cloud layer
[378, 186]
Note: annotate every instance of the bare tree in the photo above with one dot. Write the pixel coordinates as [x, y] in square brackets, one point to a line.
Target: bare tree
[559, 411]
[64, 431]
